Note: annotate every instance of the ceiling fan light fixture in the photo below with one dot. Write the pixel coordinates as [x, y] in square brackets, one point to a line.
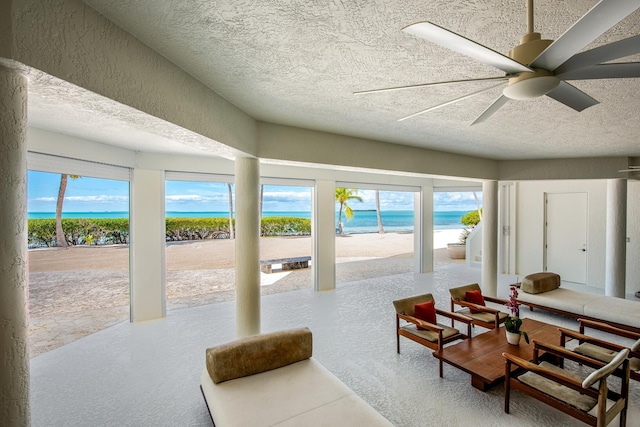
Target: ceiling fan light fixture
[531, 88]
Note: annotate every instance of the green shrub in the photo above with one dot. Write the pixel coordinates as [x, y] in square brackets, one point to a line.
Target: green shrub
[196, 228]
[79, 231]
[285, 226]
[471, 219]
[41, 232]
[101, 231]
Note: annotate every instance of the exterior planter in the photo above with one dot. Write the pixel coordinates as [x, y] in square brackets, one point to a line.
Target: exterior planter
[457, 250]
[513, 338]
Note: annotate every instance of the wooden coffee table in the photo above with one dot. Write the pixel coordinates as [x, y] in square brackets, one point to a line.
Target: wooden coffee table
[481, 356]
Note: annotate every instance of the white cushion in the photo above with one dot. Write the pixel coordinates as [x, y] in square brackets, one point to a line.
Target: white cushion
[618, 310]
[561, 299]
[273, 397]
[348, 411]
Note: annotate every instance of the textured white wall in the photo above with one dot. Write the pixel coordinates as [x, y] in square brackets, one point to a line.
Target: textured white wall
[303, 145]
[76, 44]
[530, 225]
[551, 169]
[14, 353]
[633, 233]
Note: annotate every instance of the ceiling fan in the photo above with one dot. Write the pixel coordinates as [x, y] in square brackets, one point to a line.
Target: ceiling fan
[538, 67]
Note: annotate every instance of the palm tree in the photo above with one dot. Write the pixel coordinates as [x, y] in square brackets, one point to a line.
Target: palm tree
[343, 195]
[231, 233]
[380, 229]
[61, 241]
[475, 196]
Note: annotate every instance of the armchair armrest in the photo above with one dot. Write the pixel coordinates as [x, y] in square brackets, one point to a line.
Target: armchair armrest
[496, 300]
[477, 307]
[421, 323]
[532, 367]
[585, 338]
[455, 316]
[607, 328]
[565, 354]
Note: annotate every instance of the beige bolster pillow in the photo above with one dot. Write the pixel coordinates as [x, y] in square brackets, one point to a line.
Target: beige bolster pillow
[540, 282]
[258, 353]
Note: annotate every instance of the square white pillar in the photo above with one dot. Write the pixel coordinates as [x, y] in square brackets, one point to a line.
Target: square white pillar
[323, 232]
[423, 230]
[147, 245]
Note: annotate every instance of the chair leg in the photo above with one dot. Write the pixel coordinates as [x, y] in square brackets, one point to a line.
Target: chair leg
[440, 368]
[507, 386]
[397, 342]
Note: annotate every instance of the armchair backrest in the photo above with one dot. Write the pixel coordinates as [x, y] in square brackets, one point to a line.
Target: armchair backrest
[405, 306]
[606, 370]
[458, 293]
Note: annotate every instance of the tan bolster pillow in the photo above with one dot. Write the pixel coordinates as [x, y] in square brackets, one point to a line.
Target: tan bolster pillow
[540, 282]
[258, 353]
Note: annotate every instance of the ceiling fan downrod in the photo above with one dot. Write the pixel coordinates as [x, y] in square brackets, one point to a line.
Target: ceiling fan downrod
[529, 16]
[530, 85]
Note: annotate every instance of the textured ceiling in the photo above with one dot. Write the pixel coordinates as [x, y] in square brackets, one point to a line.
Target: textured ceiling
[297, 62]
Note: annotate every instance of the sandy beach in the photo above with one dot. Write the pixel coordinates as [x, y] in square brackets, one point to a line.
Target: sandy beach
[78, 291]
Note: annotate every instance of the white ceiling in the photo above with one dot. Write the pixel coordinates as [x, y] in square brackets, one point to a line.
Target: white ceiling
[297, 62]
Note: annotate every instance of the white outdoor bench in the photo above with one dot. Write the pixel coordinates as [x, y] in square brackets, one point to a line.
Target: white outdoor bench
[293, 263]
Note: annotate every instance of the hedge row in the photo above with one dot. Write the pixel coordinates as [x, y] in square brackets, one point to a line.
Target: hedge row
[92, 231]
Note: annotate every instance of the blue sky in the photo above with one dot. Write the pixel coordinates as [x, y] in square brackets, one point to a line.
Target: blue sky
[96, 195]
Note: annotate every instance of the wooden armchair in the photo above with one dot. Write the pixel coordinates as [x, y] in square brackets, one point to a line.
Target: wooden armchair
[603, 350]
[567, 391]
[431, 334]
[482, 315]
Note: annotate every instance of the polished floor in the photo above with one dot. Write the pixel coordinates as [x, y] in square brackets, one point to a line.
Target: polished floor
[147, 374]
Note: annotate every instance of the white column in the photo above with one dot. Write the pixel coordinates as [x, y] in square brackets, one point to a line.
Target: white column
[490, 238]
[14, 350]
[423, 230]
[616, 243]
[323, 231]
[247, 246]
[148, 241]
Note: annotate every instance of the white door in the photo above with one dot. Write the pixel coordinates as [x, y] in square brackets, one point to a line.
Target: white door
[566, 236]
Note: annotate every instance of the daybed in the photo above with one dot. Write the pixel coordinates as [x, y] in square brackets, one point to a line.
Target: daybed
[542, 290]
[271, 379]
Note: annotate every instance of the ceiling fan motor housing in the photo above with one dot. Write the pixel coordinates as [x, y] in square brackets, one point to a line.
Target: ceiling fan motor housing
[530, 85]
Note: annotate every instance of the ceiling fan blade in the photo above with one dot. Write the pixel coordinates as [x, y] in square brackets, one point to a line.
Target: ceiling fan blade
[601, 54]
[460, 44]
[435, 107]
[495, 106]
[388, 89]
[572, 97]
[604, 71]
[599, 19]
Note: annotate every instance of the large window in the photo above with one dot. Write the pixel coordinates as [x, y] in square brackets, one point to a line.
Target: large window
[79, 283]
[200, 252]
[374, 233]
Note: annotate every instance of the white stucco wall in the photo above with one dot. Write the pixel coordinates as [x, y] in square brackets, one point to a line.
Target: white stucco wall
[633, 233]
[530, 226]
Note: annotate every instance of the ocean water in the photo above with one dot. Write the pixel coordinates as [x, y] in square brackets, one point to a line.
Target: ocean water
[362, 221]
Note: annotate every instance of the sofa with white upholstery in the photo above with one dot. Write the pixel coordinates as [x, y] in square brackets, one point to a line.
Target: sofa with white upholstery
[543, 291]
[272, 380]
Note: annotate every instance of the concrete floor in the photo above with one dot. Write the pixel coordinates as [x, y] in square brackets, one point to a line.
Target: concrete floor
[147, 374]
